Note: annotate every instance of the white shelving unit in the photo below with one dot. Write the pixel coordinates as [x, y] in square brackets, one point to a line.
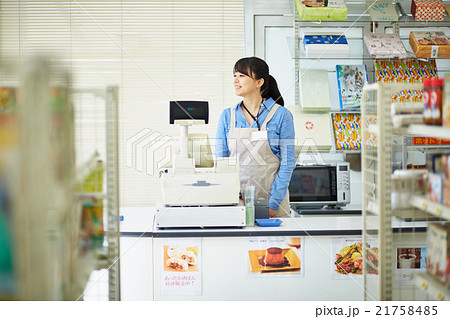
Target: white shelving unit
[49, 262]
[377, 171]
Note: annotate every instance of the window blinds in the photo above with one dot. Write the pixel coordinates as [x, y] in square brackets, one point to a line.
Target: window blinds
[155, 51]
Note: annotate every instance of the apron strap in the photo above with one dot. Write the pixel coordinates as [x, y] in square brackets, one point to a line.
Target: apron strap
[233, 118]
[269, 116]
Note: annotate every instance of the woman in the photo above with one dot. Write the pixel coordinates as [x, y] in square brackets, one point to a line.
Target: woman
[260, 132]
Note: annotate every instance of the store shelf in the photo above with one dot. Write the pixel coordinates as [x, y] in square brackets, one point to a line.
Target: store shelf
[99, 195]
[429, 131]
[430, 207]
[411, 214]
[357, 13]
[434, 288]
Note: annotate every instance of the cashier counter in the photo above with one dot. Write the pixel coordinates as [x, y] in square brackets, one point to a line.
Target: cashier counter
[224, 250]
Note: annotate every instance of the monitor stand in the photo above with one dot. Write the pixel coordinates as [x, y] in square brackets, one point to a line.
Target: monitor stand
[329, 209]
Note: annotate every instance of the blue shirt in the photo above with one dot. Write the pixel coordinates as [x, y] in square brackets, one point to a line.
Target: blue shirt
[281, 136]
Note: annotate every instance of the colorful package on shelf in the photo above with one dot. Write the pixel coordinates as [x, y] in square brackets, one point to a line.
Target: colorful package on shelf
[7, 99]
[351, 79]
[382, 10]
[405, 71]
[93, 182]
[438, 246]
[312, 82]
[92, 224]
[429, 44]
[435, 187]
[6, 255]
[445, 179]
[322, 10]
[325, 45]
[347, 130]
[428, 10]
[381, 45]
[446, 105]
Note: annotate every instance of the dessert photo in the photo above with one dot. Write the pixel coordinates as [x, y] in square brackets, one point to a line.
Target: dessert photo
[277, 255]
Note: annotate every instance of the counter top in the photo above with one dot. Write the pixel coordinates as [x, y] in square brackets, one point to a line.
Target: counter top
[139, 222]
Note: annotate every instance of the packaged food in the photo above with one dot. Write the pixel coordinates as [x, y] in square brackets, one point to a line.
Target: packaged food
[438, 250]
[381, 45]
[322, 10]
[446, 105]
[429, 44]
[435, 188]
[436, 100]
[427, 118]
[428, 10]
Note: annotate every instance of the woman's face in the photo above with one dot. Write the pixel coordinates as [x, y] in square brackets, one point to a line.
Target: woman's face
[244, 85]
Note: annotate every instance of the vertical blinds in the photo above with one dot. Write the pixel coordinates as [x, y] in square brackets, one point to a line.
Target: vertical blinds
[155, 51]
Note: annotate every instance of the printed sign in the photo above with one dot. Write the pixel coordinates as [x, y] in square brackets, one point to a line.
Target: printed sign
[181, 269]
[347, 254]
[275, 256]
[409, 260]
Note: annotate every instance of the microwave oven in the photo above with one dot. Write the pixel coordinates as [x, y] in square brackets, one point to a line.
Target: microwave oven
[317, 186]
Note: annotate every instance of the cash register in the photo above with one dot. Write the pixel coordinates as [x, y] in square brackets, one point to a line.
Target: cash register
[197, 192]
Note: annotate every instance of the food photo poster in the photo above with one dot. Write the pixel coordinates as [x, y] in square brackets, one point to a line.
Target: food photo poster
[347, 257]
[181, 270]
[275, 256]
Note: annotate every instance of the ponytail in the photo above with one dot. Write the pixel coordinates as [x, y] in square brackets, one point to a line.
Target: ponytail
[257, 69]
[270, 90]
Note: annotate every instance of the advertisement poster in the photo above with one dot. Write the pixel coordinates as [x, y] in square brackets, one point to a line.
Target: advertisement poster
[347, 258]
[181, 269]
[275, 256]
[409, 260]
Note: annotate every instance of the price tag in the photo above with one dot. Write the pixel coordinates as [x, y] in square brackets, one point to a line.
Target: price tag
[438, 210]
[424, 205]
[424, 285]
[439, 296]
[434, 51]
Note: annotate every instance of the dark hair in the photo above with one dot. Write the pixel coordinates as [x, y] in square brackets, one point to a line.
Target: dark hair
[257, 68]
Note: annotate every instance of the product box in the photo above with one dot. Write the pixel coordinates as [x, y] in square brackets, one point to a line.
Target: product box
[381, 10]
[438, 250]
[431, 251]
[435, 188]
[322, 10]
[434, 163]
[351, 79]
[325, 45]
[429, 44]
[315, 91]
[312, 130]
[445, 179]
[446, 102]
[405, 71]
[381, 45]
[428, 10]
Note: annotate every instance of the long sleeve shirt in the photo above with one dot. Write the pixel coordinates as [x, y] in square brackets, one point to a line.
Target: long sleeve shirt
[281, 138]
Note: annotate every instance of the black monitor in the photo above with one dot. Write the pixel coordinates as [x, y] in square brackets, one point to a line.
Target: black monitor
[188, 110]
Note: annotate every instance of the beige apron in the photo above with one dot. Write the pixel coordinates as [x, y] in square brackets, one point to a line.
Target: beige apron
[256, 160]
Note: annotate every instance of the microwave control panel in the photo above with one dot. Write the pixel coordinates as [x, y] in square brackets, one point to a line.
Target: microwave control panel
[343, 182]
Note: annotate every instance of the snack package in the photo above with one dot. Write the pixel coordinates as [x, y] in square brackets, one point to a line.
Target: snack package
[429, 44]
[381, 45]
[428, 10]
[322, 10]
